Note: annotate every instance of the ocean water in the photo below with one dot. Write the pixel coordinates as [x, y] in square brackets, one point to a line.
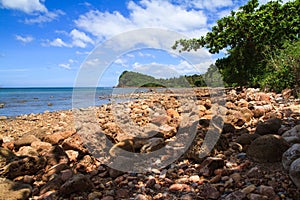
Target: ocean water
[20, 101]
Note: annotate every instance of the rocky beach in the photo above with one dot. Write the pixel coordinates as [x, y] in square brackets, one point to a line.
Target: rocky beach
[232, 144]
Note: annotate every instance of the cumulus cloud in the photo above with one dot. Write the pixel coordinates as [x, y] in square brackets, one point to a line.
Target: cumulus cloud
[145, 14]
[58, 42]
[80, 39]
[27, 6]
[24, 39]
[38, 11]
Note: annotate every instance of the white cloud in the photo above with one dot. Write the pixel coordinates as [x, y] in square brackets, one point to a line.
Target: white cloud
[145, 14]
[25, 39]
[65, 66]
[27, 6]
[80, 39]
[161, 70]
[44, 17]
[58, 42]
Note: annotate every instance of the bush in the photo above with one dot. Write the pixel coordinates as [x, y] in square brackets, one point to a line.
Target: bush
[283, 68]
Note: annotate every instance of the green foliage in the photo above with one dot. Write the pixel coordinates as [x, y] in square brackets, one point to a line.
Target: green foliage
[135, 79]
[245, 34]
[283, 68]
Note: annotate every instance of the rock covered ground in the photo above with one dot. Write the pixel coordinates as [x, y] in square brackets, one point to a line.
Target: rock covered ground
[43, 156]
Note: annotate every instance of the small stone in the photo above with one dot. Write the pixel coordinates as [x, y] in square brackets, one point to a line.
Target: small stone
[108, 198]
[142, 197]
[236, 195]
[72, 155]
[66, 174]
[210, 164]
[194, 178]
[94, 195]
[267, 191]
[122, 194]
[236, 177]
[253, 196]
[150, 183]
[180, 187]
[78, 183]
[254, 172]
[114, 173]
[207, 191]
[248, 189]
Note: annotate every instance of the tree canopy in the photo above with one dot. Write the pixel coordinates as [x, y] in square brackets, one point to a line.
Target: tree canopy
[247, 34]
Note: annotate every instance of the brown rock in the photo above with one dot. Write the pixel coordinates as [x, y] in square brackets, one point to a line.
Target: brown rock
[56, 155]
[58, 137]
[210, 164]
[236, 195]
[246, 139]
[172, 113]
[207, 191]
[78, 183]
[180, 187]
[108, 198]
[27, 151]
[160, 120]
[122, 194]
[6, 156]
[74, 143]
[53, 184]
[253, 196]
[41, 146]
[150, 183]
[25, 140]
[267, 148]
[267, 191]
[23, 166]
[271, 126]
[14, 190]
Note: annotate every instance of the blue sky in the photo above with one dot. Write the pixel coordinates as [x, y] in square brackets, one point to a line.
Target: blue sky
[47, 43]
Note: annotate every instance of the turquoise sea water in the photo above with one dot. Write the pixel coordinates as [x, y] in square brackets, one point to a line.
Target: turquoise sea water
[20, 101]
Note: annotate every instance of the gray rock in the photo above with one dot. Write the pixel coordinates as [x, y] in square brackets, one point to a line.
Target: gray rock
[12, 190]
[267, 148]
[78, 183]
[236, 195]
[271, 126]
[295, 172]
[292, 135]
[290, 155]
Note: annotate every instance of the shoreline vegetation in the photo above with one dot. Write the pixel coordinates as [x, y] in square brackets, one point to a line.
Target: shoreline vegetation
[60, 166]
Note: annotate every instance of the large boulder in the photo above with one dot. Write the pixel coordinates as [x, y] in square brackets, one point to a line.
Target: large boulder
[14, 190]
[295, 172]
[290, 155]
[271, 126]
[293, 135]
[267, 148]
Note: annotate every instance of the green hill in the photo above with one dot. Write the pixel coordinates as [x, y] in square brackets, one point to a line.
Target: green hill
[135, 79]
